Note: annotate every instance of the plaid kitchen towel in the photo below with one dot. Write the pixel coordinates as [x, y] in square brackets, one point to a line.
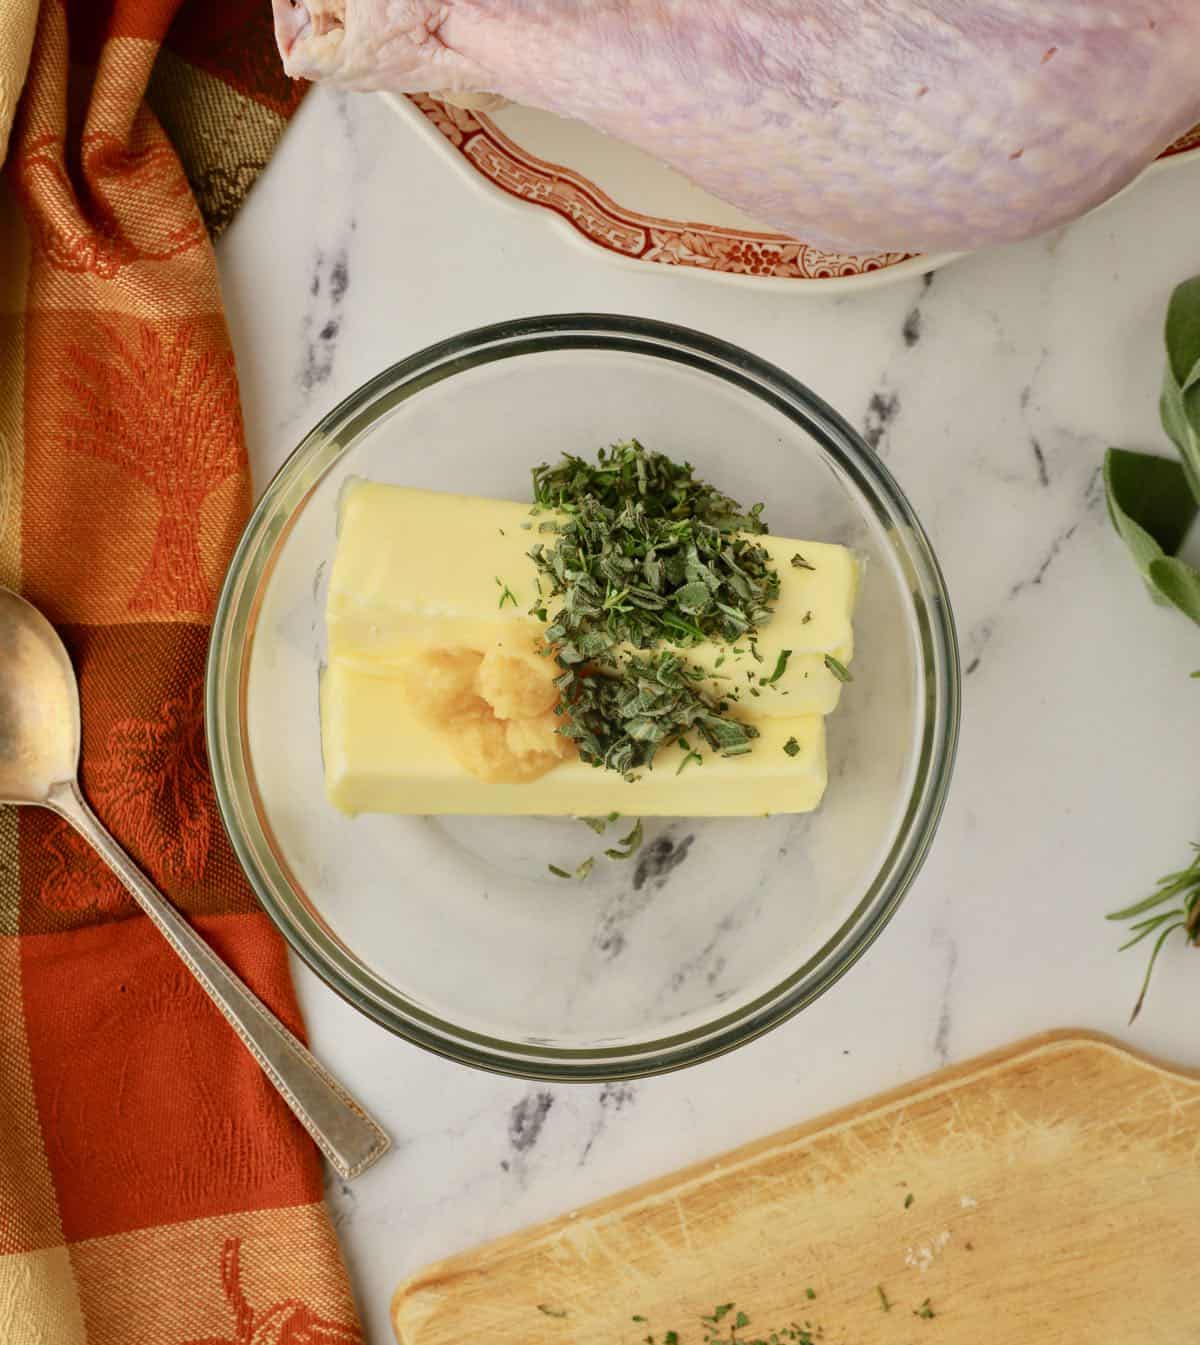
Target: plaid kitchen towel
[153, 1187]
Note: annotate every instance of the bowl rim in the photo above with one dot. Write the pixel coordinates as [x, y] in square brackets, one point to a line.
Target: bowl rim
[232, 640]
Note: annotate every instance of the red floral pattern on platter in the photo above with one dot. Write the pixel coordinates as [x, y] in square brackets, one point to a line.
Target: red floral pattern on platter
[1184, 144]
[163, 408]
[289, 1322]
[646, 238]
[152, 788]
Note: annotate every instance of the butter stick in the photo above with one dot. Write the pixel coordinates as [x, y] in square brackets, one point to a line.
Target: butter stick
[422, 567]
[380, 758]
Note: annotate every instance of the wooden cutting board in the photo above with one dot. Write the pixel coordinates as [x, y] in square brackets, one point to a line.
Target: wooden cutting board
[1046, 1193]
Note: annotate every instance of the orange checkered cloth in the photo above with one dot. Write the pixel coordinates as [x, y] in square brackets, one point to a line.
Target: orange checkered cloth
[153, 1187]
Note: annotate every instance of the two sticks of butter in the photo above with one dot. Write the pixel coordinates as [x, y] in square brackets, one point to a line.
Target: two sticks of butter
[429, 601]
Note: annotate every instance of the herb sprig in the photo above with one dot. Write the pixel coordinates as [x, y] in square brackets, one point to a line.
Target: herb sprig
[1153, 502]
[1182, 890]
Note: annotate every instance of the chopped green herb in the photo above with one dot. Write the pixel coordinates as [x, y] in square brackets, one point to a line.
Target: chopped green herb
[810, 1293]
[806, 618]
[629, 845]
[671, 1338]
[620, 720]
[598, 824]
[637, 1318]
[791, 747]
[740, 1321]
[884, 1302]
[838, 668]
[506, 593]
[581, 871]
[501, 532]
[908, 1200]
[799, 563]
[644, 552]
[925, 1310]
[690, 755]
[551, 1312]
[780, 667]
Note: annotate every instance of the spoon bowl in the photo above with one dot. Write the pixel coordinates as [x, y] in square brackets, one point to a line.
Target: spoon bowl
[39, 706]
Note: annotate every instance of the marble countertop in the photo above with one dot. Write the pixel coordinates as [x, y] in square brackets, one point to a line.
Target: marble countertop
[991, 389]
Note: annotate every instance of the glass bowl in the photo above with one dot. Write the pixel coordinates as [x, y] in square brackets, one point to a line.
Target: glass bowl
[451, 931]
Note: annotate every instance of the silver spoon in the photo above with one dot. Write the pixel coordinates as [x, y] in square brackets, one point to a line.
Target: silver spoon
[39, 764]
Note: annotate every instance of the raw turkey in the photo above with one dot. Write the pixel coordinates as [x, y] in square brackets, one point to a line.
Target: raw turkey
[858, 125]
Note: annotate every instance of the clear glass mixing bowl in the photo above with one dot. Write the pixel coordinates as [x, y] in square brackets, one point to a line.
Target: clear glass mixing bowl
[451, 931]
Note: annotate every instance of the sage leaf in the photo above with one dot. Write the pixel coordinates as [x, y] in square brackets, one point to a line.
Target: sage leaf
[1151, 508]
[1178, 583]
[1179, 405]
[1182, 333]
[1149, 491]
[1180, 414]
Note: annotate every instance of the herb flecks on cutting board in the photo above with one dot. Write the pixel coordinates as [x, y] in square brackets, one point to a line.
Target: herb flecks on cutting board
[1153, 502]
[726, 1324]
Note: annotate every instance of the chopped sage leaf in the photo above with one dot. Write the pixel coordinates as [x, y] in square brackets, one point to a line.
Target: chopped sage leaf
[628, 845]
[838, 669]
[780, 667]
[598, 824]
[644, 554]
[551, 1312]
[621, 715]
[799, 563]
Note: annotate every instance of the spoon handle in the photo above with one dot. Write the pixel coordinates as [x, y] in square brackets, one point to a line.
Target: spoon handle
[346, 1134]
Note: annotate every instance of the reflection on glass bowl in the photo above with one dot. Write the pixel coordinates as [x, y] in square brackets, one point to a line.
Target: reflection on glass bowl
[451, 931]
